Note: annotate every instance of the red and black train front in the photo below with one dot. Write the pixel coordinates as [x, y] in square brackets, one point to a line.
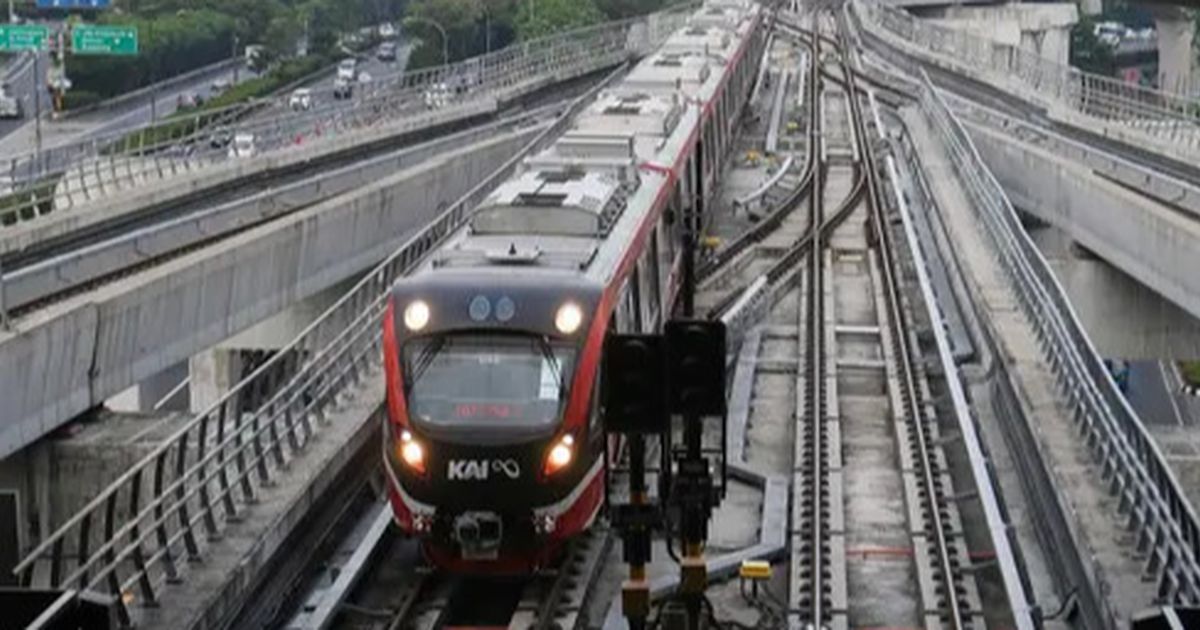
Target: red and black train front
[491, 447]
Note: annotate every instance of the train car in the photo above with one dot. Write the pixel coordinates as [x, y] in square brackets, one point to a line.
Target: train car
[492, 443]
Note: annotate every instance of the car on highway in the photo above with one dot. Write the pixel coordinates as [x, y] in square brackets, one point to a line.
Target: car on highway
[437, 96]
[243, 146]
[387, 51]
[220, 138]
[348, 69]
[10, 106]
[301, 99]
[387, 30]
[188, 100]
[220, 84]
[343, 88]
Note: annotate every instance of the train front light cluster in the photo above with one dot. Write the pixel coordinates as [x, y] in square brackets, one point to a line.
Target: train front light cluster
[568, 318]
[411, 452]
[416, 315]
[560, 456]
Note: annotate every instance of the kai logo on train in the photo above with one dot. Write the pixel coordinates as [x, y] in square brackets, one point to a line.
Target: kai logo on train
[481, 469]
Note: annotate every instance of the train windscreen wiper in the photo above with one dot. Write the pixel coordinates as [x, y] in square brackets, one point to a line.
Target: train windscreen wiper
[428, 354]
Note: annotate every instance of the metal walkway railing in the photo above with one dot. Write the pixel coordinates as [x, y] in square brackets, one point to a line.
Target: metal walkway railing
[168, 506]
[1148, 495]
[1114, 104]
[70, 176]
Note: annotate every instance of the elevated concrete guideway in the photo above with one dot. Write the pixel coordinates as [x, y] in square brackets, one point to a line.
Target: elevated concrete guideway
[84, 350]
[1116, 186]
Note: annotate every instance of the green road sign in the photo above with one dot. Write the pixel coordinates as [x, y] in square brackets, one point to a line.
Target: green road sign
[23, 37]
[104, 40]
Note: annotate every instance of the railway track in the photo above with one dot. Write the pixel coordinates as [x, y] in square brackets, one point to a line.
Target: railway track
[865, 439]
[877, 540]
[369, 577]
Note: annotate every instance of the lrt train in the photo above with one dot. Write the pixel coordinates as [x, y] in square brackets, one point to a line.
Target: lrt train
[492, 445]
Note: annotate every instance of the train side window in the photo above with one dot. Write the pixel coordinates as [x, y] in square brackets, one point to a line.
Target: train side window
[627, 312]
[650, 289]
[666, 254]
[595, 431]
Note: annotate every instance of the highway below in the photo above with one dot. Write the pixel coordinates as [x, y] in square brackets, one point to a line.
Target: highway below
[20, 137]
[65, 142]
[19, 76]
[325, 110]
[1156, 392]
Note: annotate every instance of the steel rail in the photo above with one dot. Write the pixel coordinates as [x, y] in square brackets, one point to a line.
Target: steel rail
[907, 357]
[769, 223]
[1007, 552]
[814, 400]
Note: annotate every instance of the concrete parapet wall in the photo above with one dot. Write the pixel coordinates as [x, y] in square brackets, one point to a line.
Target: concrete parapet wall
[80, 352]
[1177, 141]
[34, 283]
[1044, 29]
[146, 182]
[1156, 244]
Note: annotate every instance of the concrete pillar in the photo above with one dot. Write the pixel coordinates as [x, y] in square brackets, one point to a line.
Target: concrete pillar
[143, 396]
[1175, 33]
[213, 373]
[1091, 7]
[1122, 317]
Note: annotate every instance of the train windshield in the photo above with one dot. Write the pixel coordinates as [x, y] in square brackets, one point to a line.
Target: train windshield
[487, 379]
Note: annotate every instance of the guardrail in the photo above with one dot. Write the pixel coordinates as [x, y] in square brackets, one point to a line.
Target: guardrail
[133, 534]
[165, 84]
[1164, 116]
[16, 65]
[1148, 494]
[33, 283]
[70, 176]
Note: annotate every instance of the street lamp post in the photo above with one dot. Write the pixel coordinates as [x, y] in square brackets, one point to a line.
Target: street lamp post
[442, 31]
[233, 55]
[487, 30]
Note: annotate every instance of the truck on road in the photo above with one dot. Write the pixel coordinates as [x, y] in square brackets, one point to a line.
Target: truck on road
[10, 106]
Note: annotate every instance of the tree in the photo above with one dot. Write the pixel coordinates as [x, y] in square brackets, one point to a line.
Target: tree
[462, 21]
[620, 9]
[538, 18]
[1087, 52]
[283, 32]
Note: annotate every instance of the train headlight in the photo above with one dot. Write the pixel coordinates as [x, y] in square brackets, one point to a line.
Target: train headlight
[411, 452]
[416, 316]
[568, 318]
[560, 455]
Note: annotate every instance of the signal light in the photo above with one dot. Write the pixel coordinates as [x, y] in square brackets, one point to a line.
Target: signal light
[560, 455]
[696, 363]
[634, 384]
[411, 452]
